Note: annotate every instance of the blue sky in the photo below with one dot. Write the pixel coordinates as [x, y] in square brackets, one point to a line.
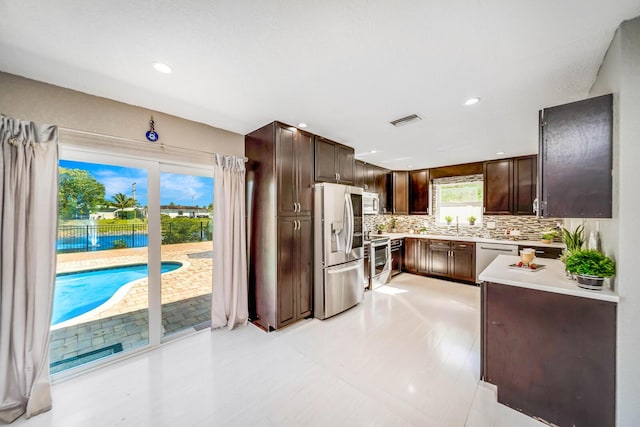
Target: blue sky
[176, 188]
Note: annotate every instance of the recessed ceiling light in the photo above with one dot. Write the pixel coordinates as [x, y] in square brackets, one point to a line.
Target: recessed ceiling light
[499, 153]
[161, 67]
[373, 151]
[471, 101]
[302, 125]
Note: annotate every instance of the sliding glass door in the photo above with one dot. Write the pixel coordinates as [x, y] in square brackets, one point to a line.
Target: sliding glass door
[134, 256]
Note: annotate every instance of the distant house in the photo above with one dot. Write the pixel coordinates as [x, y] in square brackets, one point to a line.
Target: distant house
[105, 213]
[175, 211]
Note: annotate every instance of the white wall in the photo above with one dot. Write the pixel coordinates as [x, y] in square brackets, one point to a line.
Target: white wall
[27, 99]
[620, 74]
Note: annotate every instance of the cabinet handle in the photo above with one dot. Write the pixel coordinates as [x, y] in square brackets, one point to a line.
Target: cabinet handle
[338, 177]
[294, 206]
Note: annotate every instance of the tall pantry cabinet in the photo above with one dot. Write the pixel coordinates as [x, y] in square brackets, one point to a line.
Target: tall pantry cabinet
[280, 177]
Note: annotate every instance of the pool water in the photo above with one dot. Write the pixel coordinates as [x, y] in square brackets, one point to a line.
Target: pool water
[79, 292]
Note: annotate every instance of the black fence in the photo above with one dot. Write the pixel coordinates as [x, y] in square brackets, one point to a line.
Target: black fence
[83, 238]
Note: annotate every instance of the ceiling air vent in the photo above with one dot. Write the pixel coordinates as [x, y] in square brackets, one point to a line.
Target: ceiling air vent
[406, 120]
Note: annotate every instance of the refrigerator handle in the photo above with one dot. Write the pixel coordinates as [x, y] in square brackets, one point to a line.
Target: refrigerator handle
[349, 207]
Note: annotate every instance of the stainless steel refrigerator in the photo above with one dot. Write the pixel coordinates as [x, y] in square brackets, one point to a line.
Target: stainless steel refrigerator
[338, 249]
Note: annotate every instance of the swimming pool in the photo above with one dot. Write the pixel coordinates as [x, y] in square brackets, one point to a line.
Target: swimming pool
[79, 292]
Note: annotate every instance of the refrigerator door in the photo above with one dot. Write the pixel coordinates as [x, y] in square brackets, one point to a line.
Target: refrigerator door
[338, 223]
[341, 289]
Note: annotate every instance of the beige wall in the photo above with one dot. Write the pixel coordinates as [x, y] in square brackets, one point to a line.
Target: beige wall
[27, 99]
[620, 75]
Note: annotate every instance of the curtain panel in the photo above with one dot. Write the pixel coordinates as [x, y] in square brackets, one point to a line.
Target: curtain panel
[28, 219]
[229, 302]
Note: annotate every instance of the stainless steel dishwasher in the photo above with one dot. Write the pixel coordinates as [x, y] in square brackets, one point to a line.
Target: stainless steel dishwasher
[487, 252]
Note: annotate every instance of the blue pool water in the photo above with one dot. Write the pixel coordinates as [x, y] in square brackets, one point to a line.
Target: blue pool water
[102, 242]
[79, 292]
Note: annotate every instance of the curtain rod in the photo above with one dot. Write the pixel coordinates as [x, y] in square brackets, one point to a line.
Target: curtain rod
[134, 141]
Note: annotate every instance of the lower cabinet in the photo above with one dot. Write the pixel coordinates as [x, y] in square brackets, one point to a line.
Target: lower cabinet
[295, 270]
[544, 251]
[442, 258]
[552, 356]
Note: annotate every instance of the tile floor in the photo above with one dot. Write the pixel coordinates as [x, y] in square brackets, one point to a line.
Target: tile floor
[408, 355]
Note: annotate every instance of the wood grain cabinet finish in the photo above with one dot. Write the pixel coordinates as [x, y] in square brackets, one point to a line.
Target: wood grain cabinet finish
[440, 258]
[419, 192]
[525, 172]
[398, 192]
[281, 238]
[544, 251]
[359, 174]
[576, 159]
[498, 187]
[551, 356]
[334, 162]
[381, 177]
[410, 255]
[463, 261]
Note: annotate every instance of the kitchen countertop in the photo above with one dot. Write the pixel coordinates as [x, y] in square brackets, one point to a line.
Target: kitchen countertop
[550, 279]
[471, 239]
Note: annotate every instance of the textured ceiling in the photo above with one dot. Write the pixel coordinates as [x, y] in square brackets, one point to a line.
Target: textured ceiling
[346, 68]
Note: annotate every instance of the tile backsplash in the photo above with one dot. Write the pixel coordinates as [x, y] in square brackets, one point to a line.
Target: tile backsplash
[531, 227]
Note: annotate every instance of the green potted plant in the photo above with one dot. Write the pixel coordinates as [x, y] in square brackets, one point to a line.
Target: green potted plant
[548, 236]
[381, 227]
[573, 242]
[393, 224]
[422, 230]
[590, 268]
[448, 218]
[472, 220]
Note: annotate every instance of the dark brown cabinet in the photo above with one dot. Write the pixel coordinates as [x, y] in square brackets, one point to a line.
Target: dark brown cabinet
[419, 192]
[359, 174]
[576, 159]
[416, 255]
[397, 256]
[452, 259]
[552, 356]
[381, 176]
[544, 251]
[281, 234]
[439, 254]
[510, 186]
[498, 188]
[294, 154]
[294, 270]
[334, 162]
[398, 193]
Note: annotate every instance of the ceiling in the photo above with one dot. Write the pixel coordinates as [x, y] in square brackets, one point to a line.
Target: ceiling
[347, 68]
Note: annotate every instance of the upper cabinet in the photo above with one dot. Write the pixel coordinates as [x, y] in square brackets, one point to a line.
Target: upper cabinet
[334, 162]
[498, 188]
[576, 164]
[510, 186]
[398, 193]
[294, 157]
[359, 174]
[419, 192]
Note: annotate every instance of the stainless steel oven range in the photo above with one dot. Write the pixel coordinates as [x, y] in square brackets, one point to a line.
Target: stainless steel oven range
[379, 261]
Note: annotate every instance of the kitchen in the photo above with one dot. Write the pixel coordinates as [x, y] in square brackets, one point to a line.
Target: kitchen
[613, 77]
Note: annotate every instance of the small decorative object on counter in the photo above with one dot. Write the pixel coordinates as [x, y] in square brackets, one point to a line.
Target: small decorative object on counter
[590, 268]
[448, 219]
[381, 227]
[472, 220]
[393, 225]
[422, 230]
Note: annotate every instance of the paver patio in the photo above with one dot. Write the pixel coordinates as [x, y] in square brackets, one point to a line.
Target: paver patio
[186, 300]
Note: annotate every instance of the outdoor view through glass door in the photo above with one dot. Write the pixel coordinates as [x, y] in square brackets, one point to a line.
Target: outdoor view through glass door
[186, 217]
[100, 305]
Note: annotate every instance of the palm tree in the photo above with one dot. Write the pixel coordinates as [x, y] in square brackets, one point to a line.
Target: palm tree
[122, 201]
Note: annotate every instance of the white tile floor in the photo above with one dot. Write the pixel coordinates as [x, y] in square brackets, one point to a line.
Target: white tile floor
[408, 355]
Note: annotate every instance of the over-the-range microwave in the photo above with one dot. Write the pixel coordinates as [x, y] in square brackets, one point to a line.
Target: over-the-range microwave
[370, 203]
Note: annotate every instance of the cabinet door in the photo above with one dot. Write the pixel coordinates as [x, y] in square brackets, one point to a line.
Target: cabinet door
[524, 184]
[498, 187]
[344, 162]
[463, 266]
[325, 160]
[287, 272]
[371, 174]
[304, 166]
[544, 251]
[423, 256]
[398, 192]
[304, 285]
[359, 179]
[410, 255]
[286, 171]
[576, 164]
[419, 192]
[439, 257]
[381, 188]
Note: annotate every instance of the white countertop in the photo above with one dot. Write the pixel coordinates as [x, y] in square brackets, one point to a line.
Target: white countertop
[550, 279]
[470, 239]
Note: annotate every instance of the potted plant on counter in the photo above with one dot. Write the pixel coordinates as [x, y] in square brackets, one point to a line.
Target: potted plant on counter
[381, 227]
[472, 220]
[448, 218]
[393, 224]
[590, 268]
[548, 236]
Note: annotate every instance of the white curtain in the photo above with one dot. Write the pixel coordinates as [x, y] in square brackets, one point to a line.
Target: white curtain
[229, 303]
[28, 219]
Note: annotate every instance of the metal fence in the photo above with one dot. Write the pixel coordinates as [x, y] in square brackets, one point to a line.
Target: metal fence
[82, 238]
